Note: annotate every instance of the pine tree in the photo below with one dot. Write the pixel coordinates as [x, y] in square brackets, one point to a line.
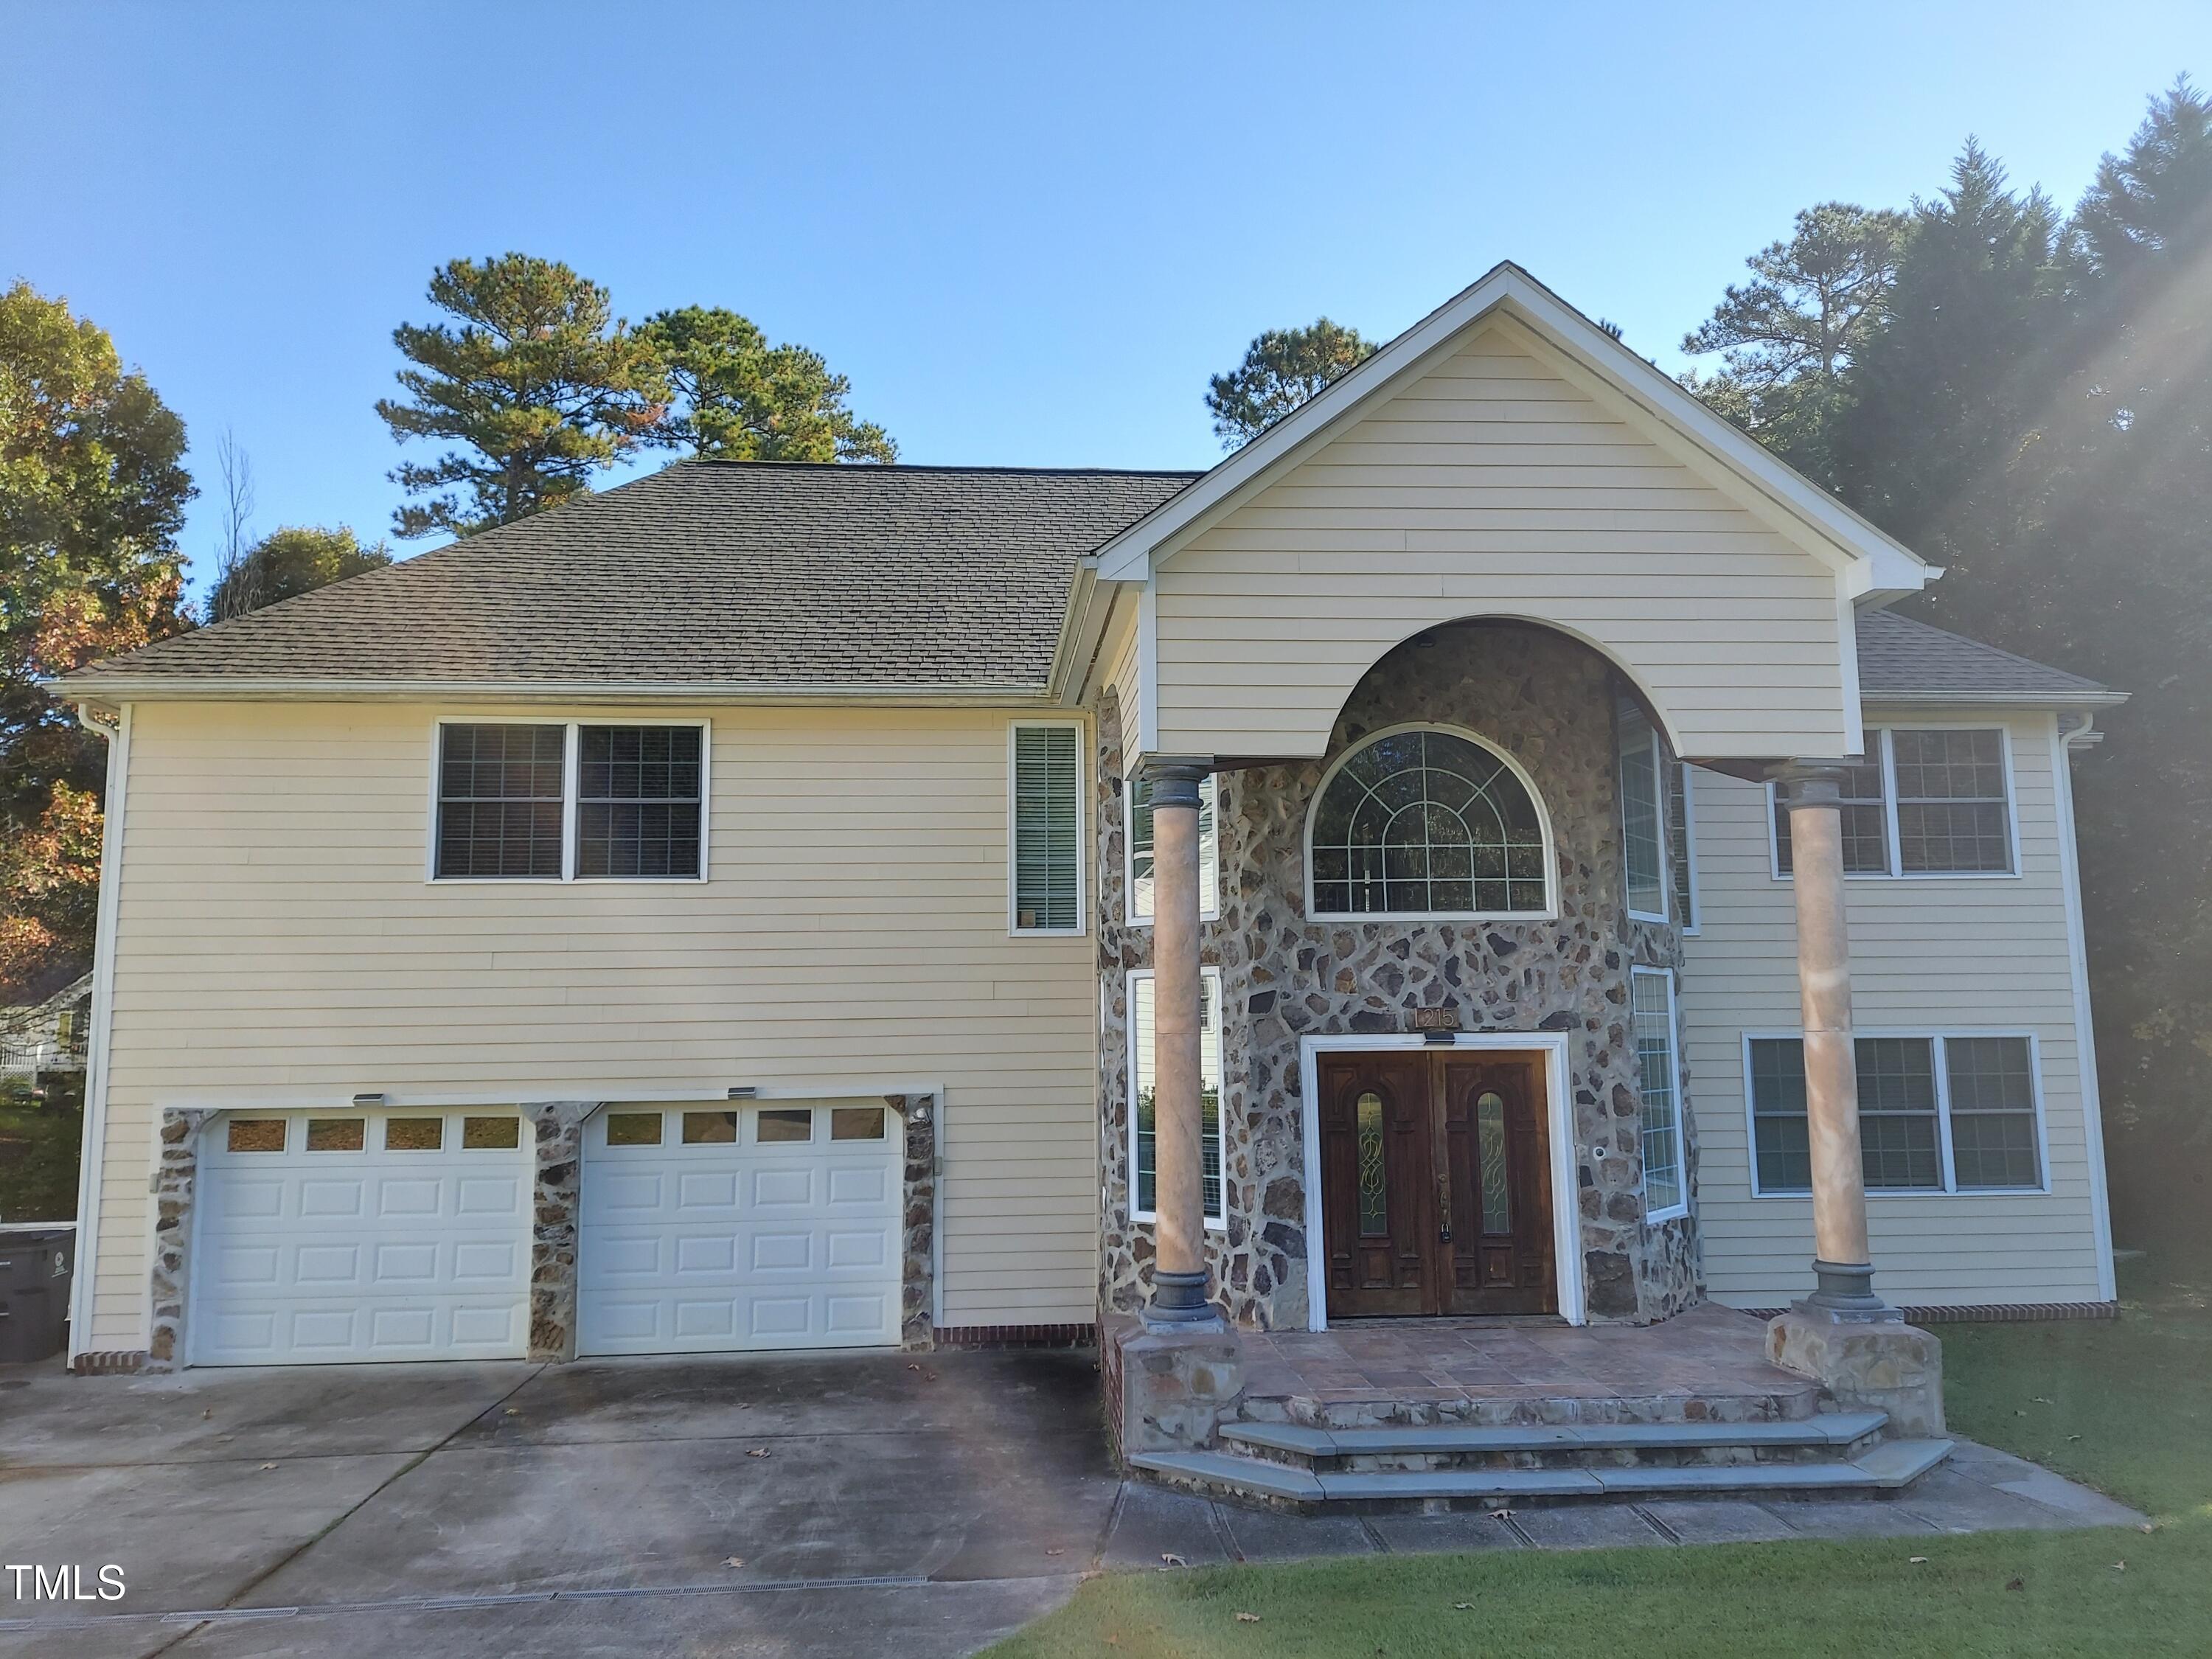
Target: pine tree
[1282, 368]
[540, 387]
[739, 398]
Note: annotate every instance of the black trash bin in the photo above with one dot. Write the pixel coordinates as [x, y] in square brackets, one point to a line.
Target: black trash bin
[36, 1265]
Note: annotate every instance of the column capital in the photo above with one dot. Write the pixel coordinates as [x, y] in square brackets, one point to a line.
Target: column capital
[1810, 782]
[1174, 782]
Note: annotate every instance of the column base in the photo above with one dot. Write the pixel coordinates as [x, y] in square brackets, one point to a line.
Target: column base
[1178, 1299]
[1180, 1381]
[1844, 1291]
[1866, 1363]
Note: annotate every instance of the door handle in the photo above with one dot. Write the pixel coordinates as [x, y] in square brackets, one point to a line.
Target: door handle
[1444, 1206]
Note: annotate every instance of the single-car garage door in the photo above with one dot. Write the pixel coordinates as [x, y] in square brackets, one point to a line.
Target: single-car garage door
[705, 1230]
[352, 1235]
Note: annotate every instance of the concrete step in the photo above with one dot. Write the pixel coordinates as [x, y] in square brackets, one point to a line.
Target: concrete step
[1886, 1467]
[1444, 1446]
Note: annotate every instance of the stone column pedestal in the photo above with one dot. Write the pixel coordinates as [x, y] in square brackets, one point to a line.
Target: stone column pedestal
[1877, 1364]
[1180, 1381]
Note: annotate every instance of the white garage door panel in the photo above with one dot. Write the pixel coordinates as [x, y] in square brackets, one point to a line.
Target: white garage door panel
[305, 1257]
[721, 1245]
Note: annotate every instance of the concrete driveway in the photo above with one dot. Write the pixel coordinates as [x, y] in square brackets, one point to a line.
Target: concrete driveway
[804, 1507]
[812, 1506]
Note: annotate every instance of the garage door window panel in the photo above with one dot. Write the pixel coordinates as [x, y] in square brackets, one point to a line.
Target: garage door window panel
[633, 1128]
[414, 1134]
[856, 1123]
[710, 1128]
[336, 1135]
[782, 1125]
[481, 1134]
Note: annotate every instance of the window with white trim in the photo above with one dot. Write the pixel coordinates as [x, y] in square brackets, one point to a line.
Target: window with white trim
[1142, 1139]
[569, 801]
[1923, 801]
[1421, 820]
[1681, 844]
[1046, 826]
[1945, 1112]
[1643, 832]
[1659, 1081]
[1137, 803]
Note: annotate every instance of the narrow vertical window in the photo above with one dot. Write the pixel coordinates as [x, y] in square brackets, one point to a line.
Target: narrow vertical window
[1682, 852]
[500, 801]
[1048, 827]
[1374, 1175]
[1139, 797]
[638, 791]
[1659, 1082]
[1643, 851]
[1490, 1147]
[1143, 1120]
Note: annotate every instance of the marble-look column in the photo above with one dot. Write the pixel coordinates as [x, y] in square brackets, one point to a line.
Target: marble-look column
[1179, 1286]
[1843, 1265]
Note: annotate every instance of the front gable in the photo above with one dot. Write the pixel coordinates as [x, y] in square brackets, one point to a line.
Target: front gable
[1507, 470]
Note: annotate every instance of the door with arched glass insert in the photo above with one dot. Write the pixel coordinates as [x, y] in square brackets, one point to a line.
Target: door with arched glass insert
[1436, 1184]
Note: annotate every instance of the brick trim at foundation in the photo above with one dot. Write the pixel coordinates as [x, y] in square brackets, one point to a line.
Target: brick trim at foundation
[109, 1362]
[1987, 1313]
[1017, 1336]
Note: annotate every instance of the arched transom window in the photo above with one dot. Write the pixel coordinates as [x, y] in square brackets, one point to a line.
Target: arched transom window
[1423, 821]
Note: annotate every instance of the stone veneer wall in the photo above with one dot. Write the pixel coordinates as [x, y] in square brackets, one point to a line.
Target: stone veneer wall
[1549, 703]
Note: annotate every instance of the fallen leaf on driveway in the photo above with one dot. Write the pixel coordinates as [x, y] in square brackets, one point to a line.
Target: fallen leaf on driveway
[1916, 1559]
[757, 1451]
[1501, 1515]
[2040, 1401]
[268, 1466]
[1056, 1551]
[1173, 1560]
[514, 1411]
[734, 1561]
[1248, 1618]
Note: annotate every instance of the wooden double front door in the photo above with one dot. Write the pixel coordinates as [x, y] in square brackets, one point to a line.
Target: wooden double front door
[1436, 1184]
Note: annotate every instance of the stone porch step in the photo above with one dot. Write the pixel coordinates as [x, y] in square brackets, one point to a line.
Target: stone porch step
[1886, 1467]
[1569, 1444]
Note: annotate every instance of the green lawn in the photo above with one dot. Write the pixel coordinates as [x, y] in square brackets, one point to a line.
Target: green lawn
[2125, 1407]
[38, 1156]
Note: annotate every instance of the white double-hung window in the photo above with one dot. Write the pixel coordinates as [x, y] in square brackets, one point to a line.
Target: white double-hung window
[1045, 827]
[1659, 1081]
[1142, 1140]
[1643, 814]
[1923, 801]
[1138, 799]
[569, 800]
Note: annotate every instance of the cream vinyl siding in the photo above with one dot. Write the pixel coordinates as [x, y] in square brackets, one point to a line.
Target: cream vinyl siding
[1929, 953]
[1495, 485]
[277, 945]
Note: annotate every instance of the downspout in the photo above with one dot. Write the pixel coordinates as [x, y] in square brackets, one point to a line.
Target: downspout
[2070, 732]
[92, 1152]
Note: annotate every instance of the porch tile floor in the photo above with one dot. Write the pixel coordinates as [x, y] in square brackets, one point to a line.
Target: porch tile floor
[1708, 1362]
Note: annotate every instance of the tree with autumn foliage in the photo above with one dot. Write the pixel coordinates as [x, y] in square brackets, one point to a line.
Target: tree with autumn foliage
[92, 495]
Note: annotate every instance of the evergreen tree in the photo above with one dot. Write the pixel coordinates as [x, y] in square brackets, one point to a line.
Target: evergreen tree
[1787, 337]
[1282, 368]
[739, 398]
[539, 386]
[1938, 391]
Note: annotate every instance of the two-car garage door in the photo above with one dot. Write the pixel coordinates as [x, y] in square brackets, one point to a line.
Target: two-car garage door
[388, 1235]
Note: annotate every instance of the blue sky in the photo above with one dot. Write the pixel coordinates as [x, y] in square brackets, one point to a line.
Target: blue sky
[1027, 232]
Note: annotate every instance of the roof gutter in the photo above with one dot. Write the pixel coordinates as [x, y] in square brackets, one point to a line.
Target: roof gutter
[2088, 697]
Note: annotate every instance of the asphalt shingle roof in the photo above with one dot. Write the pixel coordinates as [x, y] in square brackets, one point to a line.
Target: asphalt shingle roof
[712, 572]
[718, 573]
[1900, 658]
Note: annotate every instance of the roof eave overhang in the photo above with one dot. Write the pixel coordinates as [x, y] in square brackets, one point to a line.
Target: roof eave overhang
[2096, 698]
[112, 691]
[1868, 561]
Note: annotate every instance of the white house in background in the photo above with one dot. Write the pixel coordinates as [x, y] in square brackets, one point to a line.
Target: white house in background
[718, 915]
